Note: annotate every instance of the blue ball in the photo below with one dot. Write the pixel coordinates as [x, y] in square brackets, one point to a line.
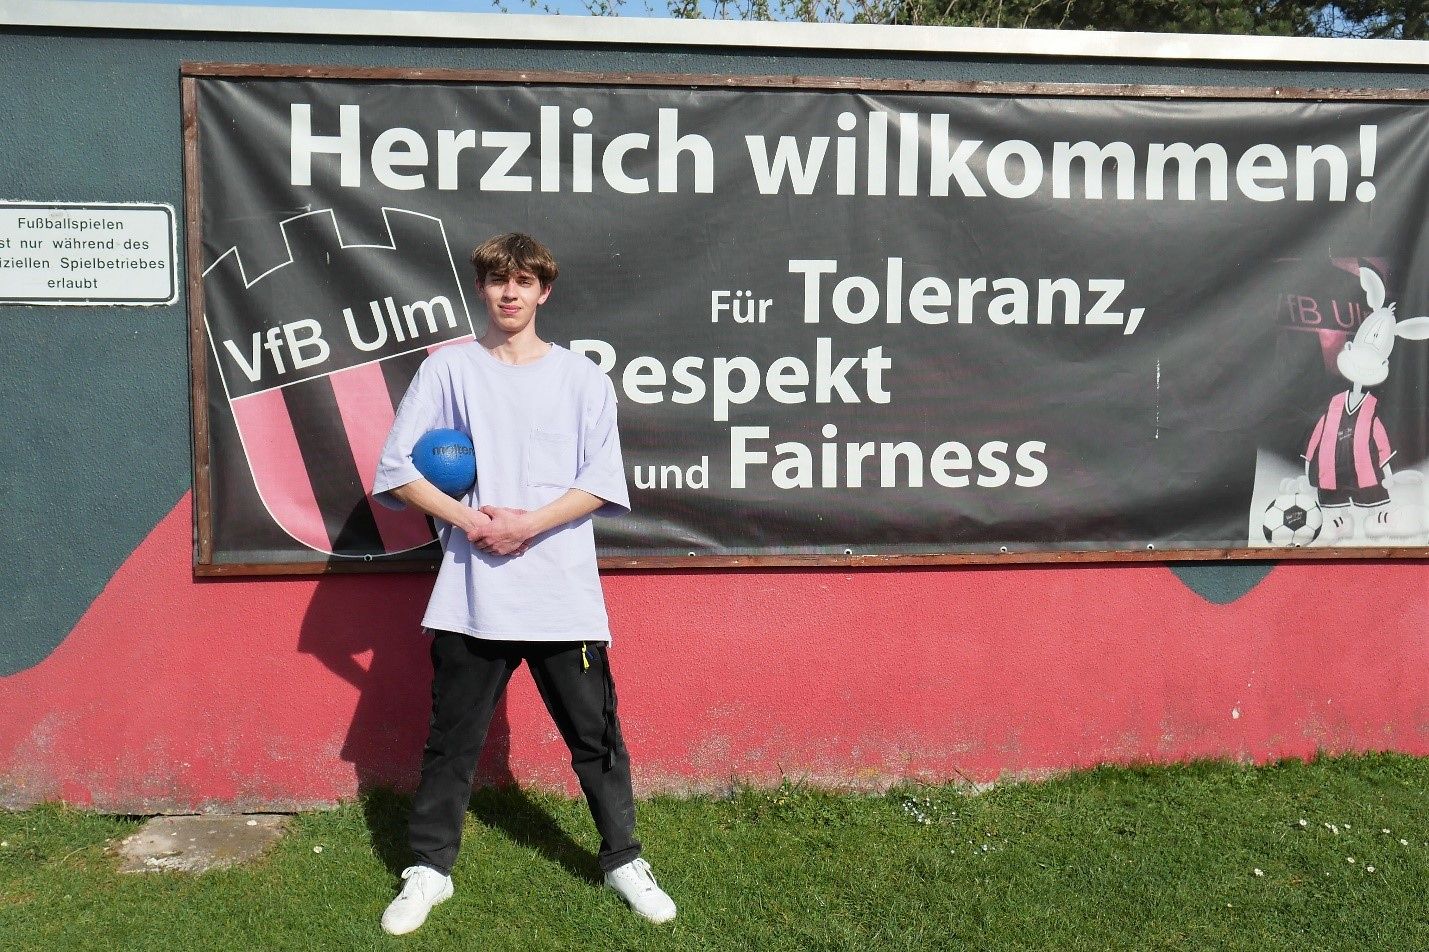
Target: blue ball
[447, 460]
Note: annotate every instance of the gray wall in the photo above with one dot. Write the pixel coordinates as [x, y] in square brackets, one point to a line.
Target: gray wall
[95, 400]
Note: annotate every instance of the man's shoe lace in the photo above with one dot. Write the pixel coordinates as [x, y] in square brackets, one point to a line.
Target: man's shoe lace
[645, 877]
[421, 883]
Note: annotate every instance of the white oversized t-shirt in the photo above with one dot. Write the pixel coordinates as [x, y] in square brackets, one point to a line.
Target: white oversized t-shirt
[539, 429]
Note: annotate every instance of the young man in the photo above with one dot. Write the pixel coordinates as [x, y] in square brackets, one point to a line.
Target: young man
[518, 578]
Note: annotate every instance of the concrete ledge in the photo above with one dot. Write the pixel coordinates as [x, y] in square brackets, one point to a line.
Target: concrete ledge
[635, 31]
[197, 844]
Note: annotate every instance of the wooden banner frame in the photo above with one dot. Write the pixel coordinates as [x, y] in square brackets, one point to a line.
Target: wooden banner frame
[204, 564]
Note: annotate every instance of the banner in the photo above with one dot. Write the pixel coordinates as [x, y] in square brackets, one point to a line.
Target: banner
[882, 322]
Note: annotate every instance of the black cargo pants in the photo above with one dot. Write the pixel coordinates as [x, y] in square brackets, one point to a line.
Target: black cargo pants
[469, 676]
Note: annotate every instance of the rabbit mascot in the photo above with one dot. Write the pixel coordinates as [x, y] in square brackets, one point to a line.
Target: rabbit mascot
[1347, 457]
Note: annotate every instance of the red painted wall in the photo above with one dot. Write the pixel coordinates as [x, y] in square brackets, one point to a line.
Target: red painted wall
[175, 694]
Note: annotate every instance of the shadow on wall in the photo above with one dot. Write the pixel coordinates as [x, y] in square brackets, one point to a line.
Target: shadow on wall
[366, 630]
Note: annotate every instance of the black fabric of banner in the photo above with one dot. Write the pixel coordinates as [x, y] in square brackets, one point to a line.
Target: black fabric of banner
[836, 321]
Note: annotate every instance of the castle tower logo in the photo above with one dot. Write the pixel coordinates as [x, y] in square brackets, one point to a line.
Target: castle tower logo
[314, 355]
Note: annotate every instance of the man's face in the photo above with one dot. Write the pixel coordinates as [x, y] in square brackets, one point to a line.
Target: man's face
[512, 299]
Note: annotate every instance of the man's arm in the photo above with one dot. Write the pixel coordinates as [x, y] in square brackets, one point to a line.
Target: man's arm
[511, 529]
[437, 504]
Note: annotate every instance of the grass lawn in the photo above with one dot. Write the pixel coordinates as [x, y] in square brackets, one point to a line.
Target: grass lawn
[1329, 855]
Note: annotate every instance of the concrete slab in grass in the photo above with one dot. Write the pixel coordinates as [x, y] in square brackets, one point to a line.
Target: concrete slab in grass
[197, 844]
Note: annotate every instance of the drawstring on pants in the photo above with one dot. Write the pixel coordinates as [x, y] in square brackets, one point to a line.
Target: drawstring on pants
[608, 713]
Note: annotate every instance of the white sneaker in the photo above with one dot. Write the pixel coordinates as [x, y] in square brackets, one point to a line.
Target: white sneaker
[637, 886]
[425, 887]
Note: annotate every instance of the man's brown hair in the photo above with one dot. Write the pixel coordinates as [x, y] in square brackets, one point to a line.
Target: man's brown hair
[512, 252]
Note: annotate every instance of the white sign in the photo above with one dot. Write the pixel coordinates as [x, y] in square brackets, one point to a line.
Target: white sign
[62, 253]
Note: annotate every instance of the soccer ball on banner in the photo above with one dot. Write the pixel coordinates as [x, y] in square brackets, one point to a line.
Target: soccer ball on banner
[1292, 519]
